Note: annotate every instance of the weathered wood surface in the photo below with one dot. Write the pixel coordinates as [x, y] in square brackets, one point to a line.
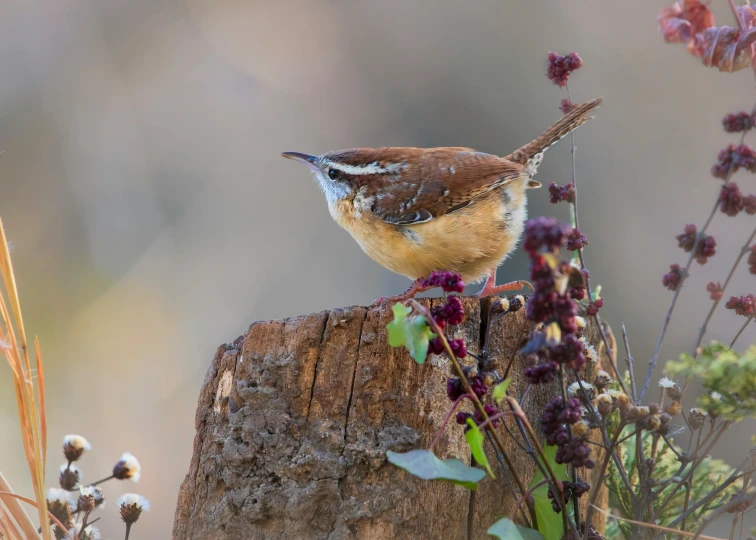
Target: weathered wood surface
[295, 417]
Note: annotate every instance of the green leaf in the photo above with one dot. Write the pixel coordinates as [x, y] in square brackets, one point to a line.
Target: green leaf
[475, 439]
[424, 464]
[410, 332]
[506, 529]
[500, 390]
[549, 522]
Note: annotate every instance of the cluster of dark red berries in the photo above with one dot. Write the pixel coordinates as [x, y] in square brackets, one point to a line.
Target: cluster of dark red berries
[736, 122]
[562, 193]
[752, 260]
[491, 410]
[743, 305]
[448, 281]
[715, 290]
[576, 240]
[547, 235]
[556, 418]
[560, 67]
[566, 106]
[674, 277]
[732, 158]
[705, 248]
[451, 312]
[731, 200]
[593, 307]
[455, 389]
[578, 488]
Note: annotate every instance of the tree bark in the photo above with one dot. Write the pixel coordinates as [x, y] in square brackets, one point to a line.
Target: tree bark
[295, 417]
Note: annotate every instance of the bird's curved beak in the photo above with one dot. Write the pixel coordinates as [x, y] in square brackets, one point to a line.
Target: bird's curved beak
[307, 159]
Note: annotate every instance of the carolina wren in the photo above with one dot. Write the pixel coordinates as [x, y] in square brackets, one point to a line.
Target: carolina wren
[416, 210]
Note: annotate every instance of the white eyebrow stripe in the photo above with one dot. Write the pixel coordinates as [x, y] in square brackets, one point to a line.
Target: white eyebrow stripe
[370, 168]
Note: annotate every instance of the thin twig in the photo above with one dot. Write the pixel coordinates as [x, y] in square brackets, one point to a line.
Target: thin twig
[468, 389]
[629, 361]
[732, 343]
[684, 273]
[745, 249]
[446, 420]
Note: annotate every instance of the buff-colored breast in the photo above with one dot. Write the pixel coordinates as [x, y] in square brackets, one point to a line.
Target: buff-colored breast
[472, 241]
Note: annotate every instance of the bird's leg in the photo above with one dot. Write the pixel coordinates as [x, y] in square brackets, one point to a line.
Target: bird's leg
[417, 287]
[490, 288]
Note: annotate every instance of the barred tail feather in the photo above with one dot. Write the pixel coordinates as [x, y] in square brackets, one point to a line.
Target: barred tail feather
[575, 118]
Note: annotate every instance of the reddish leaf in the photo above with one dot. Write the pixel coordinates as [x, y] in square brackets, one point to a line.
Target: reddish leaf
[683, 20]
[725, 48]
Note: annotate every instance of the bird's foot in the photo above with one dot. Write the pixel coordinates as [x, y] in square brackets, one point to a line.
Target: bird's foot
[490, 288]
[417, 287]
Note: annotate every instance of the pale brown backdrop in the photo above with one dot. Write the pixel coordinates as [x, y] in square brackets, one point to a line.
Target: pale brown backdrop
[152, 217]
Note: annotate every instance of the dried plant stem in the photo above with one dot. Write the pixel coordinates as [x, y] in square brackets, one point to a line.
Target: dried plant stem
[445, 422]
[710, 496]
[629, 361]
[701, 450]
[576, 219]
[47, 514]
[648, 525]
[702, 331]
[128, 530]
[721, 511]
[468, 389]
[552, 478]
[30, 403]
[742, 328]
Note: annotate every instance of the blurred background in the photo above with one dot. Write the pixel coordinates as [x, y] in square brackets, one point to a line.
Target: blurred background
[153, 219]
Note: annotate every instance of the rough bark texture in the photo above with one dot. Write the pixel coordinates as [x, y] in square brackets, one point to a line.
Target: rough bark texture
[295, 417]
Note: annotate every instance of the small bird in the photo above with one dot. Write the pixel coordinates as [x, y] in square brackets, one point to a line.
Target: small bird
[419, 210]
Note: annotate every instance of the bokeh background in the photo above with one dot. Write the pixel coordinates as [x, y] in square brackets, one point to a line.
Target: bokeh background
[153, 219]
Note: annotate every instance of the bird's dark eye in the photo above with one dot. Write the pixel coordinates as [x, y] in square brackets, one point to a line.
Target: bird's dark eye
[334, 174]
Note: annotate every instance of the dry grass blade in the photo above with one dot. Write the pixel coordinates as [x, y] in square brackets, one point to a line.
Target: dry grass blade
[31, 409]
[657, 527]
[34, 504]
[14, 509]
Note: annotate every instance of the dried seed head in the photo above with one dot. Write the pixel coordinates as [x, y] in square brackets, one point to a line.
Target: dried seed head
[89, 533]
[127, 467]
[664, 424]
[653, 422]
[588, 392]
[696, 418]
[632, 413]
[623, 402]
[59, 504]
[580, 429]
[74, 446]
[86, 501]
[70, 475]
[500, 305]
[671, 388]
[589, 351]
[580, 322]
[131, 506]
[673, 408]
[602, 380]
[643, 412]
[516, 303]
[604, 404]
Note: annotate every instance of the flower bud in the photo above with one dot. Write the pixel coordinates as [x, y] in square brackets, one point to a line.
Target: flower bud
[696, 418]
[673, 408]
[604, 404]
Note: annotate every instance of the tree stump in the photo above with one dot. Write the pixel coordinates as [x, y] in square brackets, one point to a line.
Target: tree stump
[295, 417]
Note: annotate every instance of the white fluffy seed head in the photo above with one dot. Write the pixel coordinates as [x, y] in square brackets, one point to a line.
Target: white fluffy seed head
[58, 495]
[129, 499]
[128, 467]
[666, 382]
[76, 441]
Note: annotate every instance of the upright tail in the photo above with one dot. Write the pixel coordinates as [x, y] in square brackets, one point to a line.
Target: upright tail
[577, 117]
